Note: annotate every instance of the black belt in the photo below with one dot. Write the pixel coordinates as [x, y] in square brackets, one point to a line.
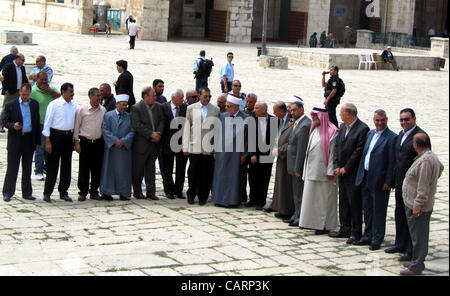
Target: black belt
[60, 132]
[89, 140]
[27, 134]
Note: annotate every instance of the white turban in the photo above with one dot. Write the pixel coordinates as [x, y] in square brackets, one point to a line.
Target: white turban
[122, 98]
[296, 99]
[234, 99]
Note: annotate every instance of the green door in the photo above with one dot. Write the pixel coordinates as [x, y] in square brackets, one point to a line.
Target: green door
[113, 15]
[285, 7]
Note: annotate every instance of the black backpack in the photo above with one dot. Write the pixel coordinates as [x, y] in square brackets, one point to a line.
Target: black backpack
[205, 67]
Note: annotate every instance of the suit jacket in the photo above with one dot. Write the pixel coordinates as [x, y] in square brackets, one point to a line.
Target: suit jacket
[382, 161]
[140, 120]
[348, 150]
[297, 144]
[404, 156]
[194, 132]
[168, 132]
[270, 139]
[385, 54]
[283, 140]
[10, 75]
[13, 114]
[124, 85]
[110, 104]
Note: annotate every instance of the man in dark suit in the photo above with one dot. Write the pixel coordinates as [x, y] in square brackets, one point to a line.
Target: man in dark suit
[261, 161]
[404, 158]
[347, 154]
[108, 100]
[171, 110]
[388, 57]
[296, 153]
[124, 83]
[9, 58]
[21, 118]
[376, 176]
[147, 121]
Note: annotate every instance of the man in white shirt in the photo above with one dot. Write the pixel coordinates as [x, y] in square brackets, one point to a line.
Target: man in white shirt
[132, 32]
[58, 131]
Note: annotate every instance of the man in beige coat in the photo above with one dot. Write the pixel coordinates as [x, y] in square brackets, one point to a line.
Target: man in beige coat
[197, 135]
[419, 187]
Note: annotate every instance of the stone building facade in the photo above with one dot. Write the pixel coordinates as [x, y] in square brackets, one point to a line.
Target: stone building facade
[240, 21]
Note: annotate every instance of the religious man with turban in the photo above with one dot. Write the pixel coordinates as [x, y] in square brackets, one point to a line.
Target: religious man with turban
[319, 203]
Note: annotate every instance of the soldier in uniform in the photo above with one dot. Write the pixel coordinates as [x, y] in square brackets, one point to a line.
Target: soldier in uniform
[334, 90]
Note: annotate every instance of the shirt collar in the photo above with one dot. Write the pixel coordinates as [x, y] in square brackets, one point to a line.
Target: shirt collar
[285, 117]
[353, 123]
[15, 64]
[235, 115]
[380, 132]
[410, 130]
[92, 108]
[172, 105]
[204, 106]
[22, 102]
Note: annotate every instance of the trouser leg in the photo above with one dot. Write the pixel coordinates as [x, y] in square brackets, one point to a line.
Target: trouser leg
[419, 229]
[150, 174]
[180, 174]
[27, 160]
[344, 208]
[66, 165]
[52, 164]
[380, 204]
[167, 172]
[367, 203]
[12, 170]
[83, 169]
[97, 164]
[138, 171]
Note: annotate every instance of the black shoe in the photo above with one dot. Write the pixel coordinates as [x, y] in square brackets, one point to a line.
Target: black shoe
[392, 250]
[281, 216]
[65, 197]
[338, 234]
[29, 197]
[294, 224]
[320, 232]
[2, 130]
[288, 220]
[361, 243]
[6, 198]
[352, 239]
[107, 197]
[405, 257]
[139, 195]
[202, 202]
[190, 200]
[47, 198]
[124, 198]
[81, 197]
[249, 204]
[374, 247]
[95, 196]
[269, 210]
[259, 208]
[170, 195]
[180, 195]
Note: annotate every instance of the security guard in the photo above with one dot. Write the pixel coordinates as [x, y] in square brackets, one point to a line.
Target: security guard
[334, 90]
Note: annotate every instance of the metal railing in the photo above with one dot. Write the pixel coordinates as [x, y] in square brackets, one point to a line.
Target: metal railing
[401, 40]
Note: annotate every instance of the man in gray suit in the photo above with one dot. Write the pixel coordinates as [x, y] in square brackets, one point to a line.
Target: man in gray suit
[148, 123]
[296, 151]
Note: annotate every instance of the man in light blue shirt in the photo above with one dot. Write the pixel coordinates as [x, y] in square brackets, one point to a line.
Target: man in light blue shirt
[41, 66]
[227, 74]
[202, 69]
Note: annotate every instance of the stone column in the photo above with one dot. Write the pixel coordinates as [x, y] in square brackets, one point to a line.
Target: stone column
[85, 16]
[154, 22]
[364, 38]
[439, 47]
[241, 12]
[400, 16]
[318, 17]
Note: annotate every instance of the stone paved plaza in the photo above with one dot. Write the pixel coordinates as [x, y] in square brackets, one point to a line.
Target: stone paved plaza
[170, 237]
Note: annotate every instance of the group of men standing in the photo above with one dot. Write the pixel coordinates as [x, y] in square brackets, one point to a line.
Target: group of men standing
[119, 141]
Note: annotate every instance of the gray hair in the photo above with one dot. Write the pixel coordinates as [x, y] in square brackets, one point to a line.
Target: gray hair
[177, 93]
[262, 103]
[252, 95]
[380, 112]
[351, 109]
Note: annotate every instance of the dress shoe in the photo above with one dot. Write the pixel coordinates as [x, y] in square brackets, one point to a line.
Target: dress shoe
[202, 202]
[65, 197]
[107, 197]
[47, 198]
[374, 247]
[190, 201]
[124, 198]
[180, 195]
[139, 195]
[170, 195]
[81, 197]
[249, 204]
[361, 243]
[281, 216]
[392, 250]
[351, 240]
[6, 198]
[320, 232]
[29, 197]
[288, 220]
[269, 210]
[152, 197]
[405, 257]
[338, 234]
[95, 196]
[259, 208]
[2, 130]
[407, 264]
[294, 224]
[410, 272]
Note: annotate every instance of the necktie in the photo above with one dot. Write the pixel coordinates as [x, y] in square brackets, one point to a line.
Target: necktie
[281, 126]
[120, 116]
[177, 111]
[295, 125]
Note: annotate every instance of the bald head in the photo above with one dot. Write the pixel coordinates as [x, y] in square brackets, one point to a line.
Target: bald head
[222, 101]
[191, 96]
[421, 142]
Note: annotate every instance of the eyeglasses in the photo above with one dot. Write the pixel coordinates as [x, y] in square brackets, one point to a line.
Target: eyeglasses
[228, 106]
[192, 96]
[405, 119]
[237, 85]
[205, 96]
[230, 56]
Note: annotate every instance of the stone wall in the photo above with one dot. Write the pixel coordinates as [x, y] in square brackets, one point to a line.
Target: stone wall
[241, 12]
[400, 16]
[154, 22]
[300, 5]
[318, 16]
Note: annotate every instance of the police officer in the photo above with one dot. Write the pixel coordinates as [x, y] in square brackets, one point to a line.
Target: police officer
[334, 89]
